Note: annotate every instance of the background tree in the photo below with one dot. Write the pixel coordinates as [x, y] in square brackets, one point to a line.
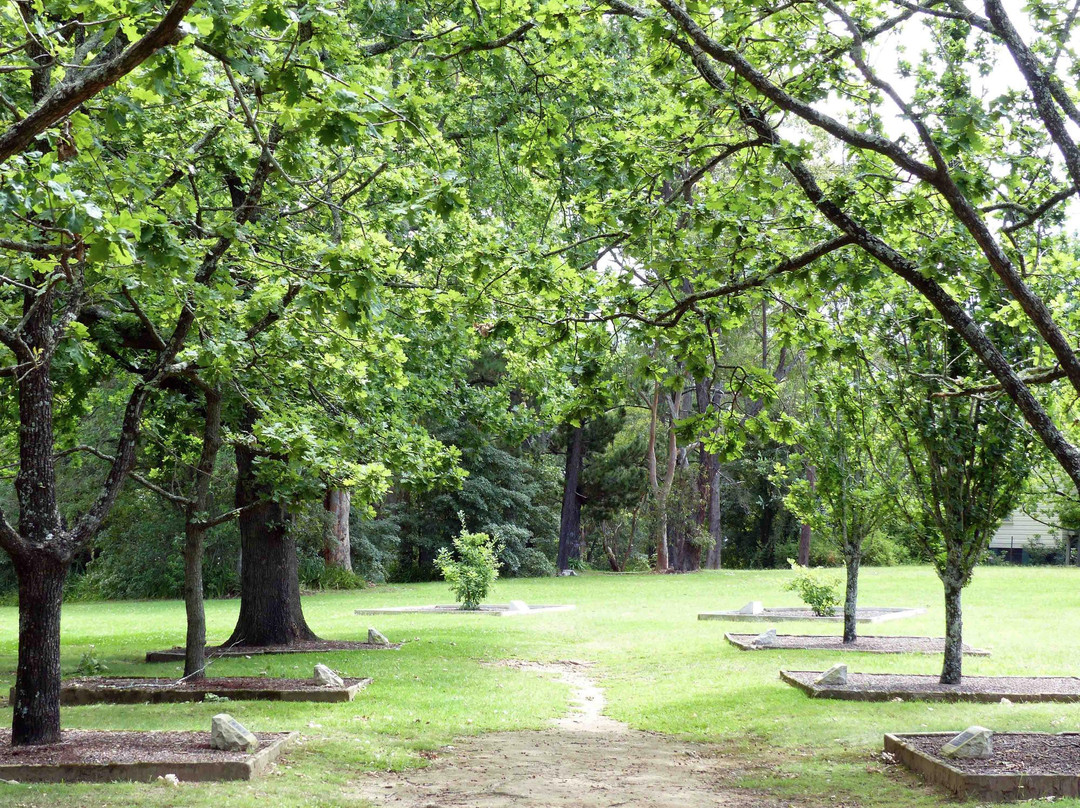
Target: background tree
[967, 457]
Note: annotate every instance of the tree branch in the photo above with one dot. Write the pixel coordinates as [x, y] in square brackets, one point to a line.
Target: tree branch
[67, 96]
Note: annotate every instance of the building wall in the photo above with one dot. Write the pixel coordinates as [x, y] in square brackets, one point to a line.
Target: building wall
[1020, 530]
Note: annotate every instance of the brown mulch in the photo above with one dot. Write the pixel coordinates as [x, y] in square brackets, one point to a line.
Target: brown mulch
[1014, 753]
[884, 686]
[217, 684]
[314, 646]
[105, 746]
[869, 645]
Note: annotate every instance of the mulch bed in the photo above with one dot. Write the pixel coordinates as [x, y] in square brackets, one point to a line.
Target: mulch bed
[919, 687]
[1024, 765]
[144, 690]
[866, 645]
[176, 653]
[491, 609]
[105, 755]
[781, 614]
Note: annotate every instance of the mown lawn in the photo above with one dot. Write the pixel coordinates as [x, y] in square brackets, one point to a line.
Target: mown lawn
[663, 670]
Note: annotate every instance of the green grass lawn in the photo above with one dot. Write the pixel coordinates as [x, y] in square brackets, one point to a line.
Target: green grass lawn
[663, 671]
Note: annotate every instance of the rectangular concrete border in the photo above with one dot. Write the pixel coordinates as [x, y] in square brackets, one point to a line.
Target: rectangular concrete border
[770, 614]
[816, 692]
[177, 654]
[81, 695]
[487, 612]
[749, 646]
[987, 787]
[189, 770]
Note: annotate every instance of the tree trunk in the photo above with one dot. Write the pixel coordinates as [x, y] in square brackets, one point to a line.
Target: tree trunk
[337, 546]
[715, 558]
[195, 539]
[662, 562]
[270, 611]
[195, 641]
[570, 524]
[851, 596]
[36, 714]
[952, 667]
[804, 530]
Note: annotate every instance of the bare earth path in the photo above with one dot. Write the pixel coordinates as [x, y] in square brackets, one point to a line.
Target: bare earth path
[586, 760]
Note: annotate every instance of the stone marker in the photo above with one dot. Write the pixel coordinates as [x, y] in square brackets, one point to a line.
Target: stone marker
[519, 606]
[230, 735]
[973, 742]
[765, 638]
[375, 637]
[326, 677]
[836, 675]
[753, 607]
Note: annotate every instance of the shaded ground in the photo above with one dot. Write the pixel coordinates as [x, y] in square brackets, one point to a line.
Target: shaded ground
[101, 747]
[586, 760]
[176, 653]
[866, 645]
[140, 690]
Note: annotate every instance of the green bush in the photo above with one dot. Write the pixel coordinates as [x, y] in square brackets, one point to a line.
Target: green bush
[472, 575]
[881, 550]
[534, 564]
[90, 665]
[337, 578]
[818, 591]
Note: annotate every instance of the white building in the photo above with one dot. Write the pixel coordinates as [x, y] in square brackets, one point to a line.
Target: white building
[1021, 531]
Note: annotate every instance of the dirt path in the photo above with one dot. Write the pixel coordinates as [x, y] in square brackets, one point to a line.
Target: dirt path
[586, 760]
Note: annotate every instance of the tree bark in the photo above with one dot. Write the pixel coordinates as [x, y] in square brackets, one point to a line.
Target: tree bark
[195, 640]
[270, 610]
[570, 523]
[851, 596]
[36, 715]
[337, 546]
[952, 667]
[195, 539]
[805, 530]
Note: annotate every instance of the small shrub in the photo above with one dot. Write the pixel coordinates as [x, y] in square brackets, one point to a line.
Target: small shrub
[534, 564]
[472, 575]
[1039, 554]
[818, 591]
[881, 550]
[338, 578]
[90, 665]
[638, 562]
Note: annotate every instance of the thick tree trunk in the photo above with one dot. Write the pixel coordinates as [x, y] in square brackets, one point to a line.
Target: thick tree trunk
[270, 611]
[570, 523]
[36, 714]
[952, 667]
[851, 596]
[804, 544]
[337, 546]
